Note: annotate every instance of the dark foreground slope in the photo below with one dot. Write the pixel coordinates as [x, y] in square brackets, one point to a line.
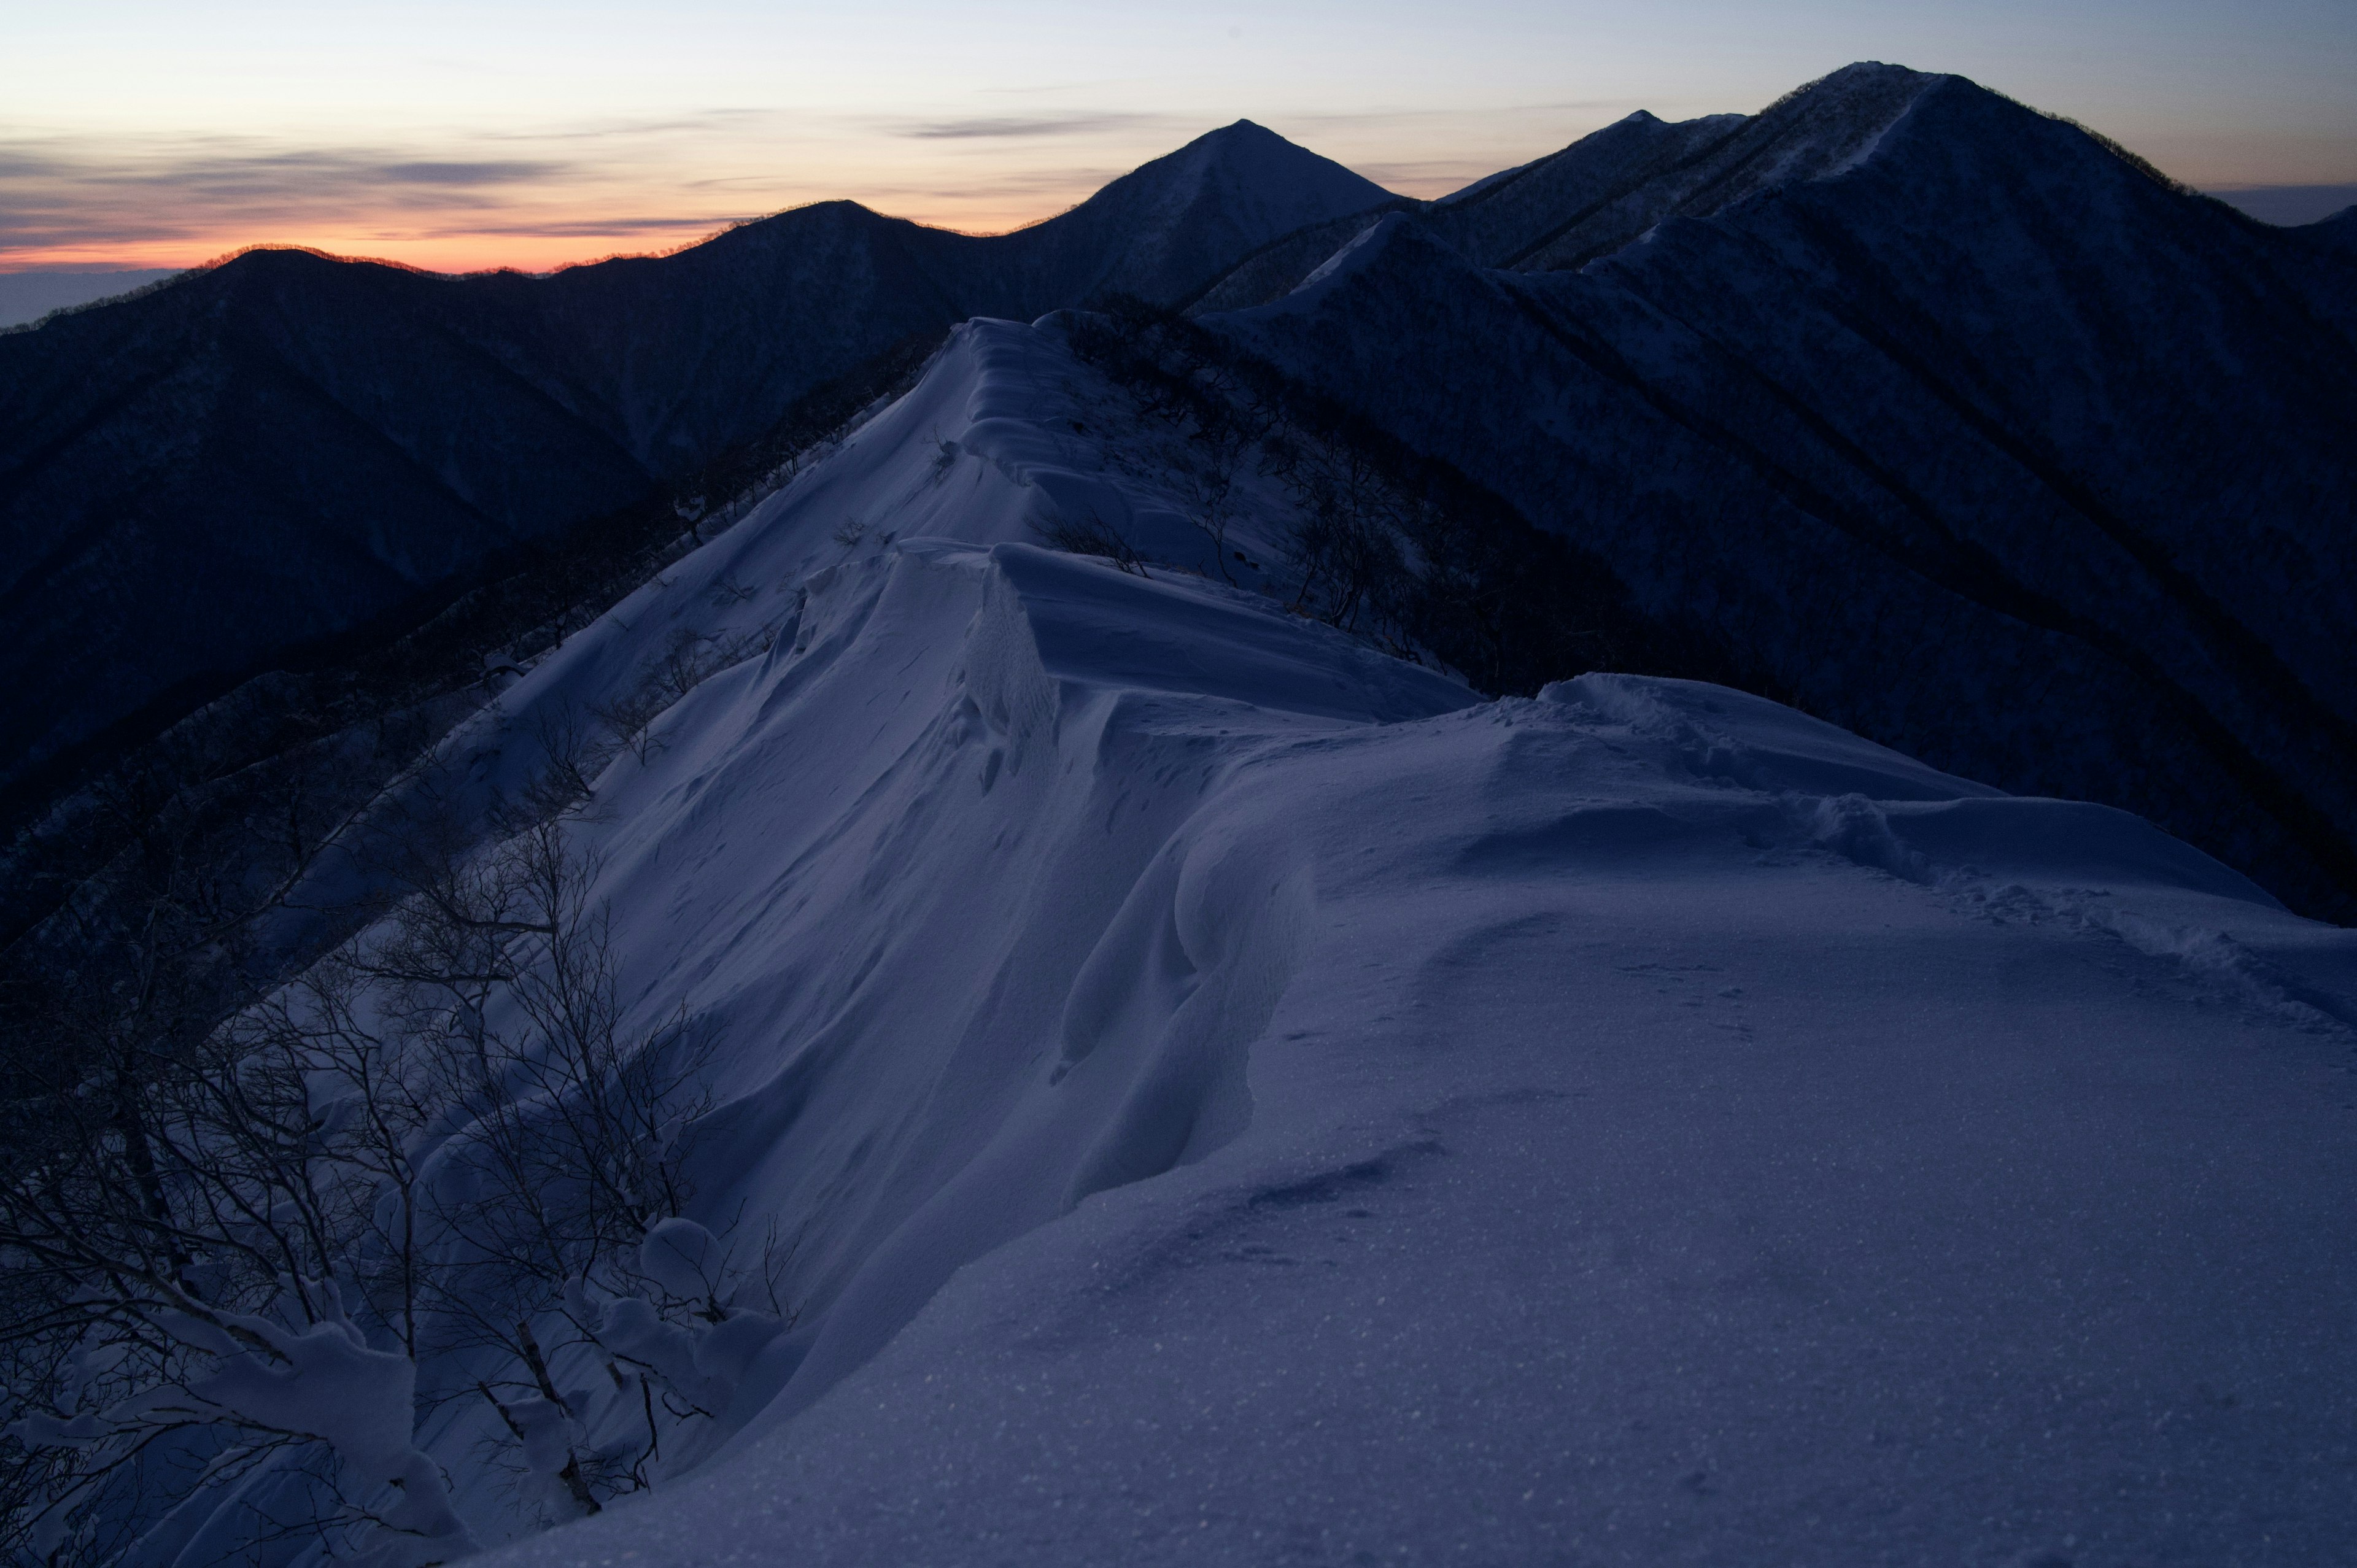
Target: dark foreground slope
[287, 445]
[1964, 429]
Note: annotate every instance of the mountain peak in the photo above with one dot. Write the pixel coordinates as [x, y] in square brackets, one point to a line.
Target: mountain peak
[1866, 70]
[1175, 223]
[1270, 162]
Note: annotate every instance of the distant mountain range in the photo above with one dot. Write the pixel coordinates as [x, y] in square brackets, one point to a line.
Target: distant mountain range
[197, 480]
[2287, 204]
[28, 297]
[1946, 419]
[1962, 427]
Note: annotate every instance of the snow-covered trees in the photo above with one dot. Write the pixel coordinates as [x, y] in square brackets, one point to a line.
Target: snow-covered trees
[436, 1177]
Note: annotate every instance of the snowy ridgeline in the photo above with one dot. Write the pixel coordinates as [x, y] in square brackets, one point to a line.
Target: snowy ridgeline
[1228, 1095]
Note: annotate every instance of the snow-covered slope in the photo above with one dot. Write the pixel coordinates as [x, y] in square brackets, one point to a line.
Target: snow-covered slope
[1608, 188]
[1244, 1099]
[1951, 423]
[1522, 212]
[1813, 133]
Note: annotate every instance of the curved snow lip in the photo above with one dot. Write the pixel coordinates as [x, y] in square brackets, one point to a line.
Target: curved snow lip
[1758, 744]
[1093, 624]
[1093, 716]
[1883, 808]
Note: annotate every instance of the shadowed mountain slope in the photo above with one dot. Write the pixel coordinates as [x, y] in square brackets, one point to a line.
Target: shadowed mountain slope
[1964, 430]
[2338, 232]
[287, 446]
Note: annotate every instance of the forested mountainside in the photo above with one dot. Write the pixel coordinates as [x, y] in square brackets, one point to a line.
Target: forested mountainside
[201, 479]
[1960, 427]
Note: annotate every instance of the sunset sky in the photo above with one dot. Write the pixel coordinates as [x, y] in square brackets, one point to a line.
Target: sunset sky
[516, 132]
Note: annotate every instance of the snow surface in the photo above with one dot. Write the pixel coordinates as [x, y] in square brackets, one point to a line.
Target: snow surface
[1241, 1098]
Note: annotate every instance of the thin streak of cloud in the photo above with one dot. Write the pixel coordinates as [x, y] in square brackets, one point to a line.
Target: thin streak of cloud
[538, 198]
[599, 229]
[1039, 88]
[1010, 187]
[481, 172]
[734, 122]
[1488, 115]
[76, 194]
[210, 166]
[1005, 126]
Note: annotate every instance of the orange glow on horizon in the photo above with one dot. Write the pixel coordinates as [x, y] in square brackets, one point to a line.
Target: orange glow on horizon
[521, 133]
[455, 250]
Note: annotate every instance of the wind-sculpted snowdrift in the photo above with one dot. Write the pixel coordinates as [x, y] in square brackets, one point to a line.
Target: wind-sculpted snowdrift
[1243, 1098]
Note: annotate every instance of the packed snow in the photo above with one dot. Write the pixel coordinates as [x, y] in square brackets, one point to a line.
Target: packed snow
[1234, 1096]
[1240, 1097]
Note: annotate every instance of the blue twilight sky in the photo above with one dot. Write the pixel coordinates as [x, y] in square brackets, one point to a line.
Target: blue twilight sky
[515, 132]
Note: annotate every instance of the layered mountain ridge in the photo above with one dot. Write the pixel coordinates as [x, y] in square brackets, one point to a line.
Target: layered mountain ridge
[1949, 421]
[289, 446]
[1969, 433]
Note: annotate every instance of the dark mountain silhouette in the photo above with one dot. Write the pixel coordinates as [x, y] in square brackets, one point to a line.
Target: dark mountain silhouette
[1958, 425]
[286, 447]
[2338, 232]
[1949, 420]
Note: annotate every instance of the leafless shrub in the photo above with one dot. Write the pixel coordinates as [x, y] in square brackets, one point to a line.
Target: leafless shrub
[1344, 541]
[571, 760]
[1092, 535]
[629, 715]
[1207, 472]
[255, 1251]
[944, 459]
[688, 661]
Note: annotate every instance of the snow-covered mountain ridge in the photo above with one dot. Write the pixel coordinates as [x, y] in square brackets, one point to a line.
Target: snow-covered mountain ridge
[1245, 1099]
[203, 479]
[966, 1019]
[1962, 428]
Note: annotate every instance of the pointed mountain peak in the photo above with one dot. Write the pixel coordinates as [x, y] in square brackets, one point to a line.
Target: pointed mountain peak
[1818, 130]
[1871, 110]
[1613, 185]
[1858, 72]
[1170, 227]
[1863, 97]
[1260, 157]
[1242, 168]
